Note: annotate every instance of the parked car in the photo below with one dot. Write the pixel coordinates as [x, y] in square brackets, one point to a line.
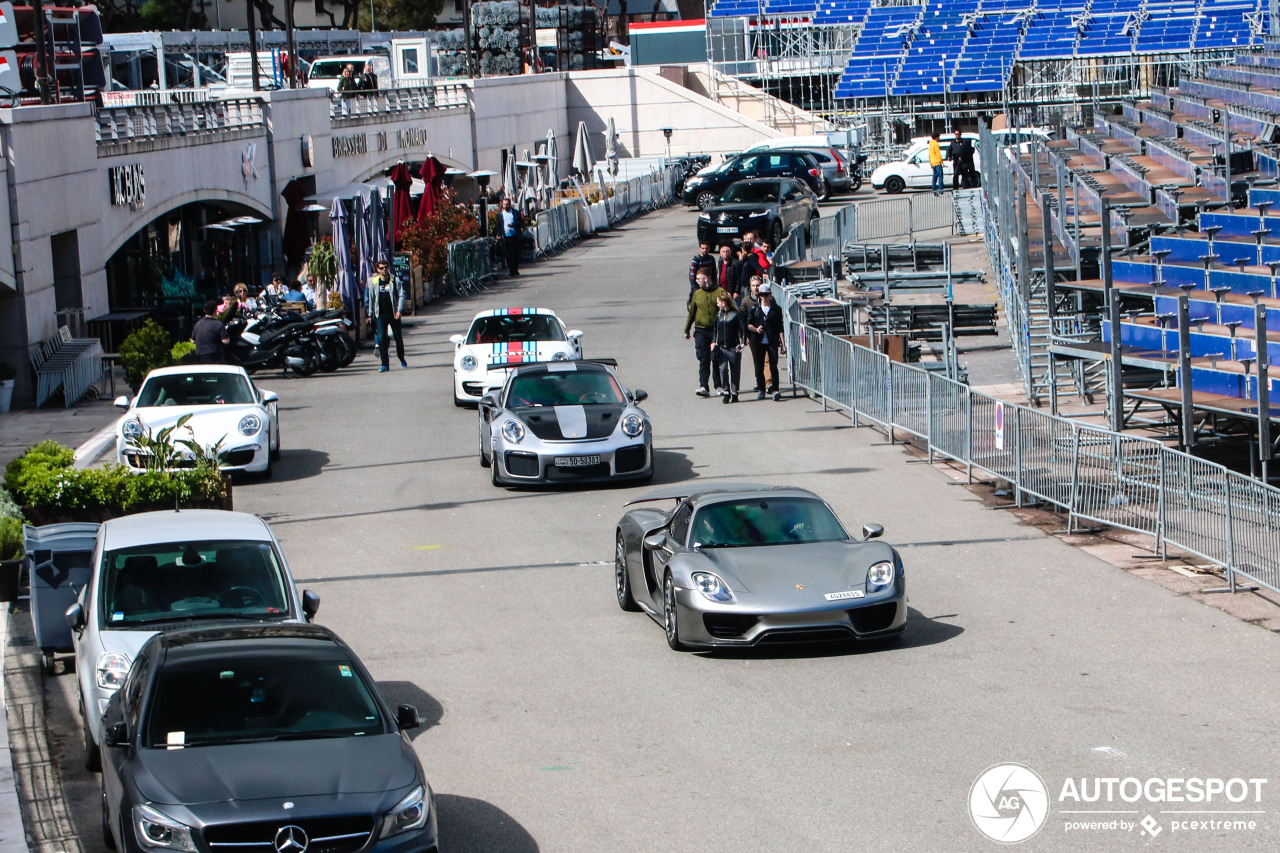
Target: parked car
[835, 166]
[568, 421]
[767, 206]
[506, 336]
[704, 188]
[913, 171]
[741, 564]
[249, 737]
[158, 569]
[227, 411]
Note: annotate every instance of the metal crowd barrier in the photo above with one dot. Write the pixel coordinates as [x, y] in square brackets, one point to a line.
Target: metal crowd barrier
[556, 228]
[470, 264]
[1095, 475]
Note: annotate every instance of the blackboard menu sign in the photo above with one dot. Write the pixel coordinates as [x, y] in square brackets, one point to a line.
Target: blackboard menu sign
[401, 263]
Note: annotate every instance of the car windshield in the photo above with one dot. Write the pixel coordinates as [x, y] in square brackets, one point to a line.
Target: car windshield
[570, 388]
[195, 389]
[765, 521]
[192, 580]
[260, 697]
[750, 193]
[523, 328]
[332, 68]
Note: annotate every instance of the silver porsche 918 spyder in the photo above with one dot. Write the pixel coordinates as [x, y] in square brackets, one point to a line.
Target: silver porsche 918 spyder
[741, 564]
[564, 421]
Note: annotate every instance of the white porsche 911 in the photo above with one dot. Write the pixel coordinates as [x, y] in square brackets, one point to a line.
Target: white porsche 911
[506, 336]
[225, 406]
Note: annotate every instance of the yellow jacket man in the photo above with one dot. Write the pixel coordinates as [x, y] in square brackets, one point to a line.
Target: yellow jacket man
[935, 161]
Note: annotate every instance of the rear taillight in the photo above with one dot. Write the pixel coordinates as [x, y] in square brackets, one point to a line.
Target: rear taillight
[813, 172]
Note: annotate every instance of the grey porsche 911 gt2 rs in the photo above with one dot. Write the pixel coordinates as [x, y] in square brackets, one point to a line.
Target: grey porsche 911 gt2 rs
[742, 564]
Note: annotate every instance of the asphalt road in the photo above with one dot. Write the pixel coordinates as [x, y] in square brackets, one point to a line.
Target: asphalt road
[556, 722]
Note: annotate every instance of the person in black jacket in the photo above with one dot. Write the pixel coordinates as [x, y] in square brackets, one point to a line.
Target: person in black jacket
[748, 266]
[703, 259]
[510, 225]
[765, 327]
[726, 346]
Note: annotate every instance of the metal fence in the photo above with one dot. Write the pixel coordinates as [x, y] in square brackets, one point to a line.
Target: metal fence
[868, 220]
[1095, 475]
[470, 264]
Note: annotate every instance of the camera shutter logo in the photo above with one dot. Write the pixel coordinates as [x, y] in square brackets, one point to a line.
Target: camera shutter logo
[1008, 803]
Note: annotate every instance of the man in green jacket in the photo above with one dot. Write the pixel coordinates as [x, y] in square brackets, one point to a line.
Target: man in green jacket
[702, 319]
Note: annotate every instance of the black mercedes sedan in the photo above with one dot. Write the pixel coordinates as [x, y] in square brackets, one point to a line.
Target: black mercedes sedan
[259, 739]
[767, 206]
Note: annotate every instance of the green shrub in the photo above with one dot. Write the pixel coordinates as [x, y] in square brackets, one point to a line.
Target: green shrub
[8, 506]
[144, 350]
[10, 539]
[181, 350]
[45, 455]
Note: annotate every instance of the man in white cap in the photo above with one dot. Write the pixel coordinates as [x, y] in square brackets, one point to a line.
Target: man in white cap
[765, 328]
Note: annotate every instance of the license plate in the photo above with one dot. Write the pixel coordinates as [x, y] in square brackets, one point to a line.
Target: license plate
[727, 229]
[576, 461]
[848, 593]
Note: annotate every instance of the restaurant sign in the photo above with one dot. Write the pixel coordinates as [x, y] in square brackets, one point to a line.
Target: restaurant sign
[128, 185]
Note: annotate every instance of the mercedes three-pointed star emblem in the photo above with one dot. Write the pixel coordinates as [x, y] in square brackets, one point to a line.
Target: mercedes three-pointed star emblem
[291, 839]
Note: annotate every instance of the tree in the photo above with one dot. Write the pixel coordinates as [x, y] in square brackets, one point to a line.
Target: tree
[402, 14]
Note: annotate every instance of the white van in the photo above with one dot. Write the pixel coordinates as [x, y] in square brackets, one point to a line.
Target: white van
[327, 70]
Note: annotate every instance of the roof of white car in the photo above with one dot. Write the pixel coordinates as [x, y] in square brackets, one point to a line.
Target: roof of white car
[146, 528]
[513, 312]
[186, 369]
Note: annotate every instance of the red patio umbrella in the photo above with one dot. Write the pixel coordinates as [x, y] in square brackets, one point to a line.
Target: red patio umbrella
[401, 210]
[433, 176]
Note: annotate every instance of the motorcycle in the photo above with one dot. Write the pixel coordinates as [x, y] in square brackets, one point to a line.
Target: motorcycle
[269, 341]
[855, 173]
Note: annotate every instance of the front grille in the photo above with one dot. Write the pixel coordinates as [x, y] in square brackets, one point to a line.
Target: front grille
[236, 458]
[822, 634]
[325, 834]
[522, 464]
[877, 617]
[578, 472]
[728, 626]
[629, 459]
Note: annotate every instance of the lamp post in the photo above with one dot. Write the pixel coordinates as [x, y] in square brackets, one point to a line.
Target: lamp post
[482, 177]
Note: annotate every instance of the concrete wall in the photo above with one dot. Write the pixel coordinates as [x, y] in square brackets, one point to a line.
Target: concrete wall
[520, 111]
[641, 102]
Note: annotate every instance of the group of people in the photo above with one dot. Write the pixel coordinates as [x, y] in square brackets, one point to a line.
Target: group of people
[730, 307]
[964, 175]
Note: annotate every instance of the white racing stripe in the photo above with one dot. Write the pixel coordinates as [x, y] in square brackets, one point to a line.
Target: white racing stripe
[572, 420]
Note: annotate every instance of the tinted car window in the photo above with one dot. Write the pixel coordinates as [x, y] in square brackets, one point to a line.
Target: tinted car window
[571, 388]
[524, 328]
[680, 523]
[184, 580]
[750, 193]
[260, 697]
[765, 521]
[195, 389]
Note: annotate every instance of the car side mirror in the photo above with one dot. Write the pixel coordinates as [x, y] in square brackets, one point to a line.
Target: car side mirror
[116, 735]
[574, 334]
[639, 394]
[456, 340]
[270, 397]
[407, 717]
[489, 401]
[310, 604]
[656, 542]
[122, 402]
[75, 617]
[872, 531]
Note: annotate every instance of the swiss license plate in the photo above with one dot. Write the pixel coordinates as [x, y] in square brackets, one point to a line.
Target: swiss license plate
[848, 593]
[576, 461]
[727, 229]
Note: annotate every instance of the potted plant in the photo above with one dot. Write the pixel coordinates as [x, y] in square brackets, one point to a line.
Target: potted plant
[11, 550]
[323, 264]
[7, 376]
[145, 349]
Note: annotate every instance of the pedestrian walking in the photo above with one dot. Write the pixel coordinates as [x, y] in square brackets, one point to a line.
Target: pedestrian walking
[935, 162]
[210, 336]
[384, 300]
[726, 346]
[765, 328]
[727, 270]
[702, 320]
[750, 265]
[750, 299]
[511, 224]
[704, 258]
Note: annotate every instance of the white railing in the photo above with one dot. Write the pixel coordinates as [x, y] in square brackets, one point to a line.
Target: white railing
[157, 121]
[352, 105]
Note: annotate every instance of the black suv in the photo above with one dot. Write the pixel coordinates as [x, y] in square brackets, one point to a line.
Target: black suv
[703, 189]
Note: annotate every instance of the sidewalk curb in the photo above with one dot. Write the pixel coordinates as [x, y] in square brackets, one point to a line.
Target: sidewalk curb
[91, 450]
[12, 833]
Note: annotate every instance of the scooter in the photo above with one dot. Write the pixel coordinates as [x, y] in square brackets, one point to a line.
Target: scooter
[255, 345]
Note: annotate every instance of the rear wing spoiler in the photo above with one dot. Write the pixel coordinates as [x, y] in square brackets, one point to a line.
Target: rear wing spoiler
[681, 491]
[505, 365]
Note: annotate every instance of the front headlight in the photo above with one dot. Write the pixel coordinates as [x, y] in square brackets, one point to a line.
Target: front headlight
[880, 574]
[711, 586]
[157, 831]
[111, 671]
[513, 431]
[250, 424]
[468, 362]
[705, 215]
[758, 213]
[132, 428]
[560, 356]
[409, 813]
[632, 425]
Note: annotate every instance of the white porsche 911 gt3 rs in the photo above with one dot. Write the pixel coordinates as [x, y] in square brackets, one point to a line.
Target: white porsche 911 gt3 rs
[506, 336]
[225, 406]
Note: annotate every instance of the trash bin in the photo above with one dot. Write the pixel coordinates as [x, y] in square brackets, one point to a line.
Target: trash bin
[59, 559]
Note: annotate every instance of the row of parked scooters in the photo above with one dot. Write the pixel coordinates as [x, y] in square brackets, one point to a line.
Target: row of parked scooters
[274, 338]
